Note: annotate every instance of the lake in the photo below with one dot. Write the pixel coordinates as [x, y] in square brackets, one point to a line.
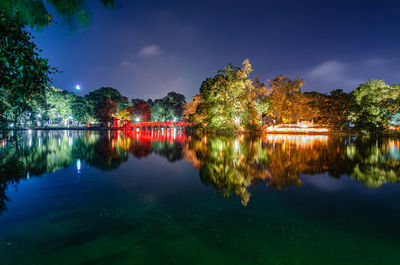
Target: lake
[109, 197]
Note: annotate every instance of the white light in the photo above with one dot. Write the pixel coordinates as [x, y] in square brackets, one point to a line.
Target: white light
[78, 165]
[137, 119]
[78, 87]
[236, 145]
[174, 119]
[237, 120]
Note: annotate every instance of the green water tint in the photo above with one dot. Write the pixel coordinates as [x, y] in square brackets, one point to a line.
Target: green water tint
[142, 199]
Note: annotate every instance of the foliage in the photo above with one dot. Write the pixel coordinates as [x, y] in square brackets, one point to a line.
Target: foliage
[374, 163]
[284, 96]
[140, 110]
[106, 102]
[59, 104]
[375, 105]
[82, 111]
[124, 115]
[168, 108]
[226, 101]
[35, 13]
[23, 73]
[332, 110]
[191, 112]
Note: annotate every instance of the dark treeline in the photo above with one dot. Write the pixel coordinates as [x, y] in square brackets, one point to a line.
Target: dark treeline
[231, 100]
[59, 107]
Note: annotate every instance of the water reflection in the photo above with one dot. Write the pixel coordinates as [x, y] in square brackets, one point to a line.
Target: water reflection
[231, 165]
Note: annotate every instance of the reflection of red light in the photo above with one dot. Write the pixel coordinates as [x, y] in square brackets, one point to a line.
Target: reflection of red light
[139, 143]
[151, 136]
[156, 130]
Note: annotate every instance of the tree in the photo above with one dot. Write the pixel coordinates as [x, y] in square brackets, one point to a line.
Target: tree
[373, 101]
[35, 13]
[173, 105]
[284, 94]
[157, 110]
[125, 115]
[140, 111]
[59, 104]
[82, 111]
[259, 95]
[169, 107]
[105, 103]
[226, 103]
[191, 113]
[334, 109]
[23, 73]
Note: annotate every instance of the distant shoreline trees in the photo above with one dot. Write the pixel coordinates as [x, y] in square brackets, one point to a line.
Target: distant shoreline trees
[102, 106]
[232, 101]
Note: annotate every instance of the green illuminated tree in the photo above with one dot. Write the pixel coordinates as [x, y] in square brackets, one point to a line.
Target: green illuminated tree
[226, 100]
[168, 108]
[23, 73]
[82, 111]
[106, 102]
[59, 104]
[374, 103]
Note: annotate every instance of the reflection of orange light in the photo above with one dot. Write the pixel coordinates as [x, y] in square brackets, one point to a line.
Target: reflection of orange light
[394, 144]
[298, 140]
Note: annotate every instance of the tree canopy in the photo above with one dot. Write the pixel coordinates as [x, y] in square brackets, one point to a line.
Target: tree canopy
[23, 73]
[35, 13]
[375, 104]
[225, 101]
[167, 108]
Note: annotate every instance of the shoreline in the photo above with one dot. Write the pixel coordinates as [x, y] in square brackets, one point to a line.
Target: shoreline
[233, 133]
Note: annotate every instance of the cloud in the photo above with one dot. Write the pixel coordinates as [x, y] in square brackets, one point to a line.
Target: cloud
[375, 61]
[151, 50]
[127, 63]
[330, 71]
[335, 74]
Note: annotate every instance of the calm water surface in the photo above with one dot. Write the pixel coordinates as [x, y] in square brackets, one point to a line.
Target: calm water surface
[99, 197]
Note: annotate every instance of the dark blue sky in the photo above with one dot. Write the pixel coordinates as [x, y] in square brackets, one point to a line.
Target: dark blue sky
[147, 48]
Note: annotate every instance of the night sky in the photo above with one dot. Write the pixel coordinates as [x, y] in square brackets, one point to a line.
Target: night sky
[147, 48]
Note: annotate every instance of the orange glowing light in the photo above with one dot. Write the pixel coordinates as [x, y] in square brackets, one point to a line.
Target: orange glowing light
[301, 127]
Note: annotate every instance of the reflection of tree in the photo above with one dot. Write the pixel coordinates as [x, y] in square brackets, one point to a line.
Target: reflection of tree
[29, 154]
[229, 164]
[291, 155]
[139, 148]
[171, 150]
[40, 152]
[375, 162]
[100, 152]
[143, 144]
[232, 165]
